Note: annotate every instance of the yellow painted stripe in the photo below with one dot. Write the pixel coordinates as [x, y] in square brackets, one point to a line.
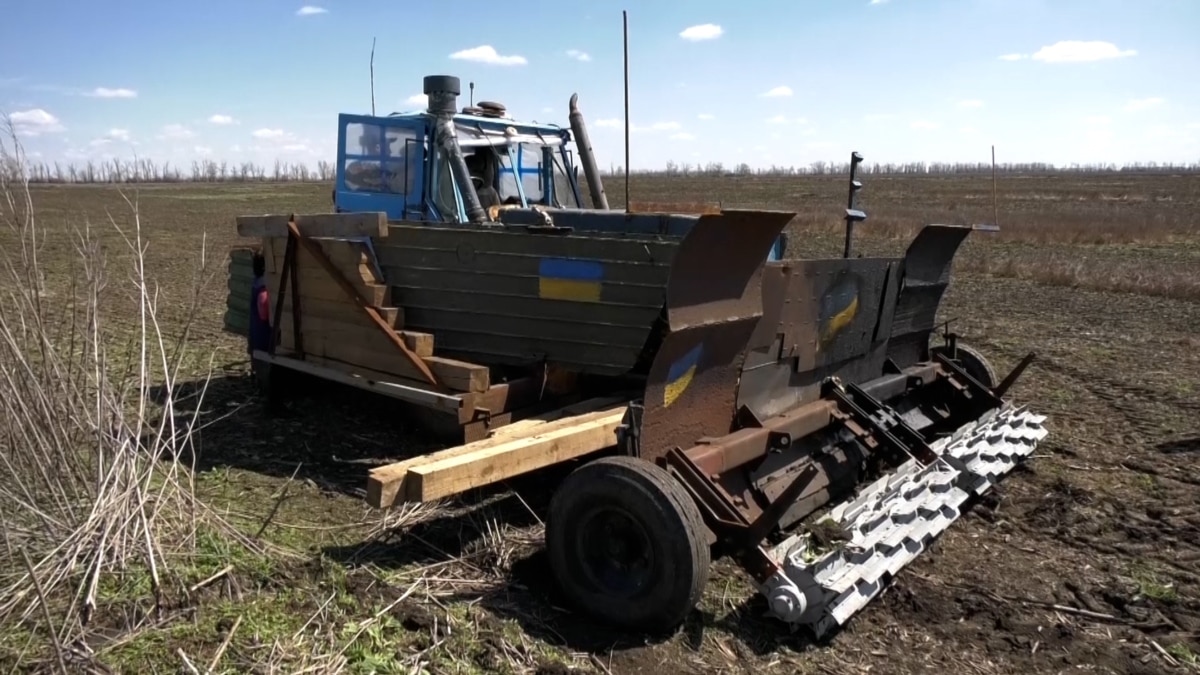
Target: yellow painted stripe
[675, 388]
[841, 319]
[569, 289]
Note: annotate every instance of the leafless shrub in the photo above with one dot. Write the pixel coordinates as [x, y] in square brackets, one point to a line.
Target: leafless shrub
[92, 480]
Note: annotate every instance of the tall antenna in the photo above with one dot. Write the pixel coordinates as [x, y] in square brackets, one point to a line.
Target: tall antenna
[625, 39]
[995, 202]
[472, 94]
[372, 77]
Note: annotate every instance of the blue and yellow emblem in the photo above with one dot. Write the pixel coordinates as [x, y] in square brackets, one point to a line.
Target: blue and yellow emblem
[839, 306]
[567, 279]
[680, 374]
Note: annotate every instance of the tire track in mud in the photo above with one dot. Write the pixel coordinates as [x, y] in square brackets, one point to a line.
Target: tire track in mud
[1123, 397]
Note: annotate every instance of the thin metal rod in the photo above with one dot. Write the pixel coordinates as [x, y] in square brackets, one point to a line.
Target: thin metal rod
[372, 77]
[625, 40]
[995, 202]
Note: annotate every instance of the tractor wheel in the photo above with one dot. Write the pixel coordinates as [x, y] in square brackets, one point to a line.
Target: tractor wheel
[627, 544]
[976, 365]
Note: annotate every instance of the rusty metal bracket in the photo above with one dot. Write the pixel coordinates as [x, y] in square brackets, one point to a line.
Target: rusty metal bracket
[1011, 379]
[863, 408]
[976, 387]
[319, 254]
[725, 520]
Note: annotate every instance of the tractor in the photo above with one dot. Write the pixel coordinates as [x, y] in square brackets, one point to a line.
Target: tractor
[718, 397]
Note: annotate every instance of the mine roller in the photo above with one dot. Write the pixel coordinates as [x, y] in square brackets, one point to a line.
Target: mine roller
[705, 393]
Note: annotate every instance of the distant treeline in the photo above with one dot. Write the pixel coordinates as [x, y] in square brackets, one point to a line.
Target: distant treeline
[211, 171]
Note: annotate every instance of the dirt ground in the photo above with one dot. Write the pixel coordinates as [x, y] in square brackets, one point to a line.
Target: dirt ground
[1086, 559]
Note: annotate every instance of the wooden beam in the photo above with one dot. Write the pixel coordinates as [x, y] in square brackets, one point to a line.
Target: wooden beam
[340, 311]
[410, 392]
[364, 224]
[456, 470]
[362, 302]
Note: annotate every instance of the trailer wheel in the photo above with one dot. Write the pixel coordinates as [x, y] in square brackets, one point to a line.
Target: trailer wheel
[627, 544]
[976, 365]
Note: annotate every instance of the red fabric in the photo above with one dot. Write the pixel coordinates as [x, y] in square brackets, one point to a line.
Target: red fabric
[264, 305]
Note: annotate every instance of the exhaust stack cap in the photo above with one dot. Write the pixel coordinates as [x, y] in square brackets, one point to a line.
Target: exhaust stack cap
[443, 91]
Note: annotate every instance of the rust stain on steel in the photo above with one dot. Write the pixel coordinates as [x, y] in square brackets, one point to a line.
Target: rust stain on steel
[714, 302]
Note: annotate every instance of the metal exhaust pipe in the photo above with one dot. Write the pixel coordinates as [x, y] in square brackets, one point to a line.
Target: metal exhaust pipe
[443, 91]
[587, 156]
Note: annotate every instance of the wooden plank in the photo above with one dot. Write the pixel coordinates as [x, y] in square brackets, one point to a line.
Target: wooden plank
[321, 286]
[371, 349]
[409, 391]
[367, 223]
[352, 258]
[338, 311]
[363, 303]
[420, 343]
[349, 330]
[554, 437]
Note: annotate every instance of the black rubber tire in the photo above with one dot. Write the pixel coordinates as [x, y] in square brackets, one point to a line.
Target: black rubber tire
[976, 364]
[663, 517]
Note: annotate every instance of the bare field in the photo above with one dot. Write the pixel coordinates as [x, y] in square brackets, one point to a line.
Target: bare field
[1086, 559]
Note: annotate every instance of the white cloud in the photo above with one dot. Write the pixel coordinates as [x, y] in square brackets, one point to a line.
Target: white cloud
[877, 2]
[971, 103]
[310, 10]
[202, 150]
[268, 134]
[105, 92]
[1079, 51]
[704, 31]
[35, 122]
[578, 55]
[784, 119]
[614, 123]
[705, 116]
[657, 126]
[222, 119]
[418, 100]
[1139, 104]
[782, 90]
[1193, 125]
[175, 132]
[682, 136]
[877, 117]
[121, 135]
[968, 130]
[923, 125]
[488, 54]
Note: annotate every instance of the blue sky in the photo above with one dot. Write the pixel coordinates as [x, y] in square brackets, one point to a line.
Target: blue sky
[765, 83]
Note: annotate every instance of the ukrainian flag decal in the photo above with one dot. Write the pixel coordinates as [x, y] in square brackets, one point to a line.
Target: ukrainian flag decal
[567, 279]
[680, 374]
[839, 306]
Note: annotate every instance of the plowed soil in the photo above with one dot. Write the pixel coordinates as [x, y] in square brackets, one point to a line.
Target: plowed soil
[1085, 559]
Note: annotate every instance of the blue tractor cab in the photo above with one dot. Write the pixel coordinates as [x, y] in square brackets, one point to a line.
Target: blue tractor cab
[445, 165]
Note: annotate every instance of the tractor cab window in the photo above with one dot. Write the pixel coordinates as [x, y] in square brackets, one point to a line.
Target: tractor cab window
[381, 158]
[564, 190]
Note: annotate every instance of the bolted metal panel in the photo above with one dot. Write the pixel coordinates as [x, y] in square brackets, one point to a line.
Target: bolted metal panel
[508, 296]
[822, 318]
